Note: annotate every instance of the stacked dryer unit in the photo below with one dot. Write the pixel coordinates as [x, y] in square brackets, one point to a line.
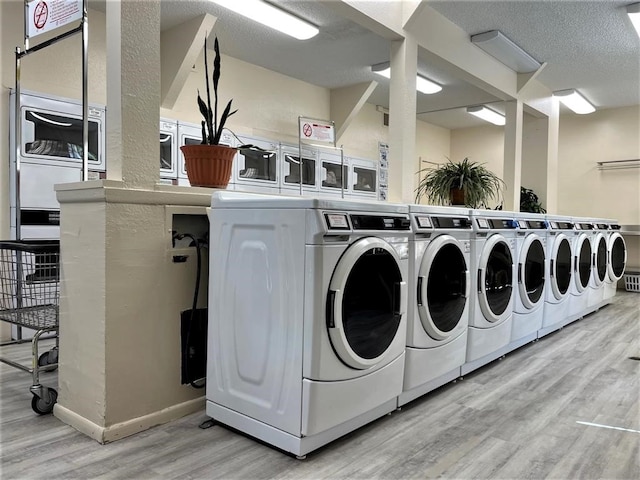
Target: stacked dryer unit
[559, 273]
[616, 260]
[493, 275]
[531, 268]
[599, 247]
[257, 169]
[582, 269]
[307, 326]
[438, 304]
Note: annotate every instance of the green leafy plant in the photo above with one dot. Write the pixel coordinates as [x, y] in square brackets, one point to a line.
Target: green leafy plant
[529, 201]
[478, 183]
[211, 127]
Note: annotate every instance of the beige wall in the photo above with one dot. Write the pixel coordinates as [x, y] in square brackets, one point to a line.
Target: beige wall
[481, 144]
[433, 145]
[601, 136]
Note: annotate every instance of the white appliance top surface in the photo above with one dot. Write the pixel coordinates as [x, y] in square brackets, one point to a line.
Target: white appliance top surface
[530, 216]
[479, 212]
[440, 210]
[231, 199]
[559, 218]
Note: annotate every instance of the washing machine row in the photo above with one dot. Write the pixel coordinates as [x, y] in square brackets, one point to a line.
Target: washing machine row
[327, 314]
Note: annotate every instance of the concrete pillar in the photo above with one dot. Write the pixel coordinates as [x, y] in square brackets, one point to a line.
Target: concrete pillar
[402, 120]
[513, 154]
[133, 92]
[550, 200]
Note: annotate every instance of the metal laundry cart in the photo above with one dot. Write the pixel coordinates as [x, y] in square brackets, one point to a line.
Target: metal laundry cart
[29, 298]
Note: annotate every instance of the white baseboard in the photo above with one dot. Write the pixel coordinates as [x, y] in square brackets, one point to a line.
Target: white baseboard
[130, 427]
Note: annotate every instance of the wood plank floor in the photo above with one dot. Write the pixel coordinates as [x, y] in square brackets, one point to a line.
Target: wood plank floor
[516, 418]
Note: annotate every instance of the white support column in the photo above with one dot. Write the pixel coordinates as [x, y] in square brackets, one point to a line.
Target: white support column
[402, 120]
[553, 133]
[133, 92]
[513, 154]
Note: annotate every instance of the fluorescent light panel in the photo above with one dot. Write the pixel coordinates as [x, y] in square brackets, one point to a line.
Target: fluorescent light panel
[271, 16]
[633, 11]
[576, 102]
[487, 114]
[423, 84]
[496, 44]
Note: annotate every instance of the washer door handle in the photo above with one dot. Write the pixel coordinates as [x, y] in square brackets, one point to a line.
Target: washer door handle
[419, 292]
[331, 299]
[479, 280]
[399, 298]
[551, 268]
[520, 273]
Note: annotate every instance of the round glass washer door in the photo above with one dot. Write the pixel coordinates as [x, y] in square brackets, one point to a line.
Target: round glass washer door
[600, 260]
[495, 279]
[531, 271]
[582, 263]
[442, 287]
[365, 302]
[617, 257]
[560, 267]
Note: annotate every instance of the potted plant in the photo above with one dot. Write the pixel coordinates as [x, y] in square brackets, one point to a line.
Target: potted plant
[529, 201]
[209, 163]
[462, 183]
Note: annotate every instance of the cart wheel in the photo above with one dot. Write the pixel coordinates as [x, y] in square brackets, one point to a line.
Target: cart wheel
[48, 358]
[42, 407]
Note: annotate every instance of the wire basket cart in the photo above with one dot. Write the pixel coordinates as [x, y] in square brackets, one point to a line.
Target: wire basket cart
[29, 298]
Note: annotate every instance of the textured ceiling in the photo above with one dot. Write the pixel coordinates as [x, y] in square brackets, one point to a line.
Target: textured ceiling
[588, 45]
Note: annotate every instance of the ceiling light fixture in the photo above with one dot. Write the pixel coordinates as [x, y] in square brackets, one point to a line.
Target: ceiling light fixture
[271, 16]
[633, 11]
[576, 102]
[423, 85]
[496, 44]
[487, 114]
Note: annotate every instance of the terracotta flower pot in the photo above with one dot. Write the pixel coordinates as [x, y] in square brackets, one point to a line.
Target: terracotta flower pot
[457, 196]
[208, 165]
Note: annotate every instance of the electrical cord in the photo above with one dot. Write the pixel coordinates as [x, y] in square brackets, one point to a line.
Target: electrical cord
[196, 242]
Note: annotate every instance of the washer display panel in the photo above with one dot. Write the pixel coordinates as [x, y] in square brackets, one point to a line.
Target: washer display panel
[365, 302]
[443, 287]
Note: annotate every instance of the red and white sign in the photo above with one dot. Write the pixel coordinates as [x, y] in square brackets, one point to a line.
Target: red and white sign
[317, 130]
[45, 15]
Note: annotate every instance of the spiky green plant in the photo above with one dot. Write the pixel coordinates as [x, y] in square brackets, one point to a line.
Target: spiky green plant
[529, 201]
[211, 127]
[479, 184]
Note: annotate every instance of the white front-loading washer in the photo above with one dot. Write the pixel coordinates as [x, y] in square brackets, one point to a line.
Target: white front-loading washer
[307, 327]
[582, 269]
[438, 299]
[559, 269]
[531, 266]
[493, 274]
[616, 260]
[599, 244]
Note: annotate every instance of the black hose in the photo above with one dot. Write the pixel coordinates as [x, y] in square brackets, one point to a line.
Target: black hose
[194, 304]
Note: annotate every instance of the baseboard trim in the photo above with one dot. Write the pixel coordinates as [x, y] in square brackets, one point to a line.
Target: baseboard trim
[130, 427]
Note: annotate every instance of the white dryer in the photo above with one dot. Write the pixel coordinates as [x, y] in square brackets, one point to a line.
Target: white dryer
[582, 269]
[599, 244]
[307, 327]
[616, 260]
[438, 300]
[531, 266]
[492, 280]
[559, 270]
[256, 165]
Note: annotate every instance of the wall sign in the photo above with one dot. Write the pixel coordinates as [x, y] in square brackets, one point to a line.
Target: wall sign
[316, 130]
[45, 15]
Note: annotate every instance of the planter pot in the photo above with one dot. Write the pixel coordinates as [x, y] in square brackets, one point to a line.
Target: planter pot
[457, 196]
[208, 165]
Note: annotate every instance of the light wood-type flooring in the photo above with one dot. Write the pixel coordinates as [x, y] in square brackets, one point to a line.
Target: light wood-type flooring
[516, 418]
